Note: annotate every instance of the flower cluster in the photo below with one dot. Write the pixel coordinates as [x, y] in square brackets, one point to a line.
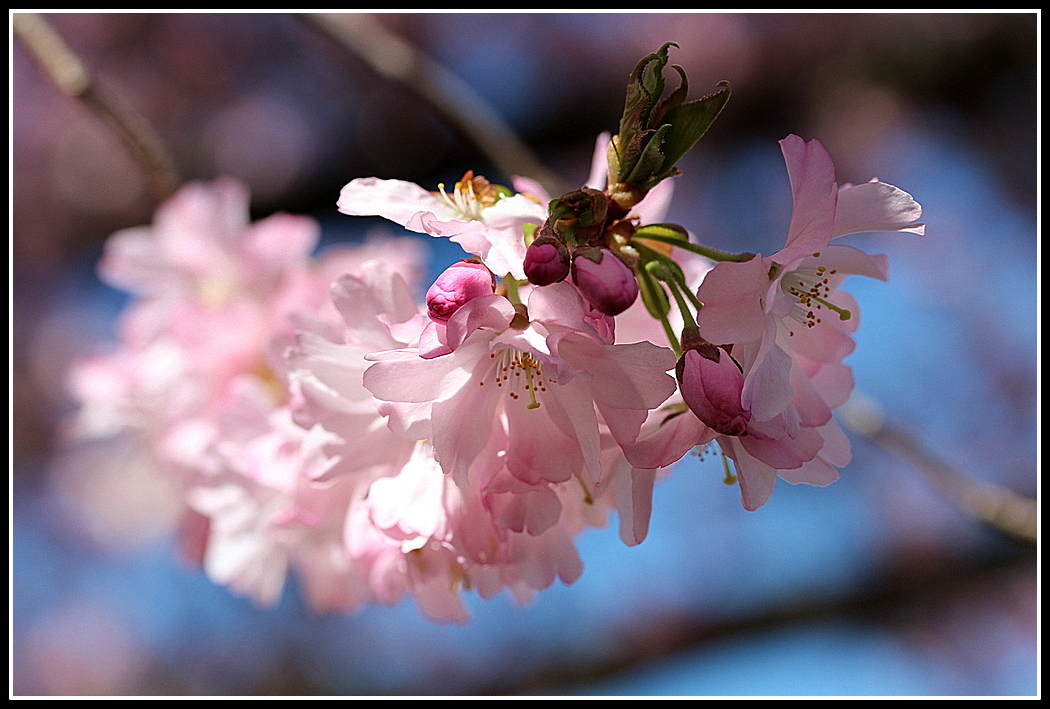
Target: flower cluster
[316, 415]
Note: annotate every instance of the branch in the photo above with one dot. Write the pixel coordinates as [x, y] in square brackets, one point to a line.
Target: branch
[397, 60]
[68, 73]
[995, 505]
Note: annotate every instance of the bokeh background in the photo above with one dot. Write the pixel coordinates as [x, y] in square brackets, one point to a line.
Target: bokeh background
[877, 585]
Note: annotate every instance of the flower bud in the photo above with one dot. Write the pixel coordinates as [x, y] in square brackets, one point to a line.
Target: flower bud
[711, 384]
[604, 280]
[459, 284]
[546, 259]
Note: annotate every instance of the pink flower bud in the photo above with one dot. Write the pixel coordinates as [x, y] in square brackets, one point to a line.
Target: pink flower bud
[605, 281]
[459, 284]
[545, 264]
[711, 384]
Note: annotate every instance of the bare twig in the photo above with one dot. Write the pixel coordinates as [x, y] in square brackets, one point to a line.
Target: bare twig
[68, 73]
[397, 60]
[997, 506]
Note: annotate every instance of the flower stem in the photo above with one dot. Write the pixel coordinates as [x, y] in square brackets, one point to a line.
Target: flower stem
[511, 284]
[683, 307]
[672, 337]
[713, 254]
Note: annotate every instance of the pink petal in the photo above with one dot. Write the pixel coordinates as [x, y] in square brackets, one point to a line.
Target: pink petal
[756, 479]
[669, 442]
[732, 296]
[489, 312]
[834, 381]
[462, 424]
[402, 375]
[639, 370]
[530, 188]
[634, 501]
[395, 200]
[558, 306]
[876, 206]
[784, 452]
[538, 450]
[814, 472]
[653, 207]
[814, 194]
[847, 260]
[600, 162]
[767, 388]
[502, 250]
[532, 511]
[570, 406]
[282, 239]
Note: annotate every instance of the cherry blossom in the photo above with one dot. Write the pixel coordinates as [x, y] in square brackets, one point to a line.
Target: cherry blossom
[543, 378]
[197, 383]
[481, 217]
[788, 325]
[314, 418]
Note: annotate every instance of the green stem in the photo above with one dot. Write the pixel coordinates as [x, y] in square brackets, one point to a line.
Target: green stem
[691, 295]
[672, 337]
[511, 285]
[713, 254]
[676, 291]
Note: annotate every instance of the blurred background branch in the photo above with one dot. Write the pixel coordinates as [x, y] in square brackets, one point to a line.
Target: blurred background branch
[69, 74]
[397, 60]
[999, 507]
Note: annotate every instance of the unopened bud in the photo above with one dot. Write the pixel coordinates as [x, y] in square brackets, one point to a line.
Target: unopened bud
[711, 384]
[546, 259]
[458, 284]
[605, 281]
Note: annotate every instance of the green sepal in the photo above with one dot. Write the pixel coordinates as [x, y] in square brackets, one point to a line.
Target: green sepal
[653, 295]
[666, 269]
[689, 122]
[650, 161]
[673, 100]
[643, 91]
[589, 252]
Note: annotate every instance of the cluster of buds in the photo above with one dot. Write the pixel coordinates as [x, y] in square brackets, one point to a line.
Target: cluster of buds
[587, 233]
[573, 242]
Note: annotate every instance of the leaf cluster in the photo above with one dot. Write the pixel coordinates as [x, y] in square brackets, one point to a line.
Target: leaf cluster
[656, 131]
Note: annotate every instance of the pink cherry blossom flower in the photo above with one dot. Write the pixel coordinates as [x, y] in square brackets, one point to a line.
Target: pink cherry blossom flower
[476, 215]
[198, 385]
[789, 325]
[418, 532]
[545, 380]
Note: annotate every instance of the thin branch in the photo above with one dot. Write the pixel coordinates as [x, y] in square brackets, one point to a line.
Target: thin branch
[664, 633]
[69, 74]
[997, 506]
[397, 60]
